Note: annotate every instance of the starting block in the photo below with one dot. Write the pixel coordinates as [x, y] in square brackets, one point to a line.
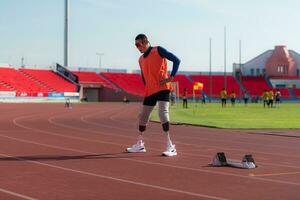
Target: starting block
[220, 160]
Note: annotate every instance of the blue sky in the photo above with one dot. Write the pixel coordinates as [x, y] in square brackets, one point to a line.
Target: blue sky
[34, 29]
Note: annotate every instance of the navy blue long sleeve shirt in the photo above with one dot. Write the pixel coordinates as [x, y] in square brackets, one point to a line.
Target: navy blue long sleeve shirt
[165, 54]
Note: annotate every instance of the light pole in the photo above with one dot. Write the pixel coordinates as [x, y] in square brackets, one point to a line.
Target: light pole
[210, 77]
[22, 62]
[225, 77]
[66, 33]
[100, 56]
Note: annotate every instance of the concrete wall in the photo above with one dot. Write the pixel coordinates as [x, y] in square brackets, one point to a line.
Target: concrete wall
[107, 94]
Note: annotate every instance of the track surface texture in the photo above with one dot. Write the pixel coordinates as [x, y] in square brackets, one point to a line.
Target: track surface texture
[49, 152]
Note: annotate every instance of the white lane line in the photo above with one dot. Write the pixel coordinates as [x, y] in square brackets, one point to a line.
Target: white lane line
[117, 135]
[119, 179]
[16, 194]
[119, 144]
[159, 164]
[183, 143]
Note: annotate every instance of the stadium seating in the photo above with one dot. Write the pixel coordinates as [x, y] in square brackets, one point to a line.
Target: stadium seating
[50, 80]
[217, 84]
[4, 87]
[283, 91]
[92, 77]
[184, 82]
[19, 82]
[255, 85]
[297, 92]
[33, 81]
[131, 83]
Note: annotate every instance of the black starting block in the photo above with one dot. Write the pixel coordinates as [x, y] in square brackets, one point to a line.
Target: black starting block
[248, 158]
[220, 160]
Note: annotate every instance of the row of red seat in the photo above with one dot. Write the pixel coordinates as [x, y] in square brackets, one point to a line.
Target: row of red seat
[51, 81]
[19, 82]
[255, 85]
[43, 81]
[31, 81]
[3, 87]
[297, 92]
[131, 83]
[217, 84]
[92, 77]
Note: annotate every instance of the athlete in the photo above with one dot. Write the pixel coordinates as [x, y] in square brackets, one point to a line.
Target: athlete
[153, 64]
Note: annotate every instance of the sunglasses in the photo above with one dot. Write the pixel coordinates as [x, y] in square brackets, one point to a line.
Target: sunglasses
[138, 44]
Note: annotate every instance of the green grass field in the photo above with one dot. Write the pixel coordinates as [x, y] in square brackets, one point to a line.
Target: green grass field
[252, 116]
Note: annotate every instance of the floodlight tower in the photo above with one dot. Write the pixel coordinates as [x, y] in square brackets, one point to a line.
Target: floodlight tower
[66, 32]
[100, 56]
[225, 75]
[210, 77]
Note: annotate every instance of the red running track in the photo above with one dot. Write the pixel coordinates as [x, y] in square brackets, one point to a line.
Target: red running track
[49, 152]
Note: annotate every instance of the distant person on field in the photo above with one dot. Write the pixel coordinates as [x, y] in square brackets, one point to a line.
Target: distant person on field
[184, 98]
[277, 97]
[232, 97]
[223, 96]
[203, 98]
[125, 100]
[68, 103]
[265, 98]
[246, 98]
[271, 98]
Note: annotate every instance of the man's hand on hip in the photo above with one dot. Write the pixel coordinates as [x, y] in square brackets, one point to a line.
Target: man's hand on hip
[166, 80]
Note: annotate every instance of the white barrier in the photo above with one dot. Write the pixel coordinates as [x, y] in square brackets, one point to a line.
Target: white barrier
[5, 94]
[71, 94]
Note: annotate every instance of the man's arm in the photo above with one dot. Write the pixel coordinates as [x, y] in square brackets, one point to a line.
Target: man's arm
[171, 57]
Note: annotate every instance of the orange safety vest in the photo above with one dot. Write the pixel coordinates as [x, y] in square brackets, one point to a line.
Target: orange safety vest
[154, 69]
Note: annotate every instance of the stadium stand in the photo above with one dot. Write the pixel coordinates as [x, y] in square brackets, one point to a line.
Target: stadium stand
[217, 84]
[34, 81]
[297, 92]
[49, 80]
[284, 92]
[130, 83]
[255, 85]
[93, 77]
[20, 83]
[184, 82]
[5, 87]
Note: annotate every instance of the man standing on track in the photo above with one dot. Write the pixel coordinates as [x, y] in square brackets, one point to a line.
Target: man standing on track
[153, 64]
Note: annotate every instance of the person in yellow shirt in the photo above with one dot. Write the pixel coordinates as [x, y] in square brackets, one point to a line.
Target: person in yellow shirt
[223, 95]
[271, 97]
[265, 98]
[232, 97]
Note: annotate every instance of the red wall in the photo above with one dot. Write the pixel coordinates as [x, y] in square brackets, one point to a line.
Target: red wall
[281, 57]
